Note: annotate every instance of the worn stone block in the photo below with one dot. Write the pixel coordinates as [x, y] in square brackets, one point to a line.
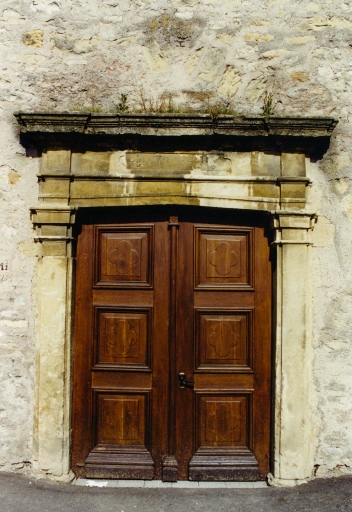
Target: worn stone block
[293, 164]
[300, 39]
[230, 82]
[91, 162]
[33, 38]
[118, 163]
[54, 248]
[240, 163]
[163, 162]
[293, 190]
[265, 190]
[264, 38]
[154, 57]
[265, 164]
[56, 162]
[218, 164]
[55, 188]
[53, 230]
[51, 216]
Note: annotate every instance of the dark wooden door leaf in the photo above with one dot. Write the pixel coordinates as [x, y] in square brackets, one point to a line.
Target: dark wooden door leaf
[172, 348]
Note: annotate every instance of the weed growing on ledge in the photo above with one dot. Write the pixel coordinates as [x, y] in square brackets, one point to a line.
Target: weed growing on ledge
[165, 104]
[122, 105]
[268, 108]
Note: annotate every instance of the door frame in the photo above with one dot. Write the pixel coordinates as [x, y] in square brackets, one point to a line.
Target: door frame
[292, 429]
[99, 161]
[173, 232]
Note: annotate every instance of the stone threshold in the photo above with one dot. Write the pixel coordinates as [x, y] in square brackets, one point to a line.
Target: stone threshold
[158, 484]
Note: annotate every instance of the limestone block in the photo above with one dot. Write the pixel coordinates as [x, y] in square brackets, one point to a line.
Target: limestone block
[163, 162]
[54, 248]
[70, 44]
[319, 23]
[53, 230]
[230, 82]
[13, 177]
[154, 57]
[218, 164]
[103, 190]
[51, 428]
[273, 54]
[51, 216]
[118, 163]
[256, 88]
[91, 162]
[192, 62]
[293, 190]
[300, 40]
[265, 164]
[265, 190]
[212, 65]
[126, 41]
[12, 16]
[56, 162]
[225, 38]
[262, 38]
[299, 76]
[34, 38]
[240, 163]
[293, 164]
[295, 422]
[259, 22]
[54, 187]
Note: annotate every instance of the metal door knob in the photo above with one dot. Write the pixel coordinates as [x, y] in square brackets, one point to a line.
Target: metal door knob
[183, 382]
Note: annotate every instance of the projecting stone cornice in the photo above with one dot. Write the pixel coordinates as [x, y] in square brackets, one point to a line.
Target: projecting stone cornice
[172, 132]
[175, 124]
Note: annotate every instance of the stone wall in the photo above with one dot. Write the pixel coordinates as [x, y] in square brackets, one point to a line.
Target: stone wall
[210, 55]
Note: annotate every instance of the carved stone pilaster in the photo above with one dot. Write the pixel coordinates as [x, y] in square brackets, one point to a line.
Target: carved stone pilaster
[293, 436]
[54, 301]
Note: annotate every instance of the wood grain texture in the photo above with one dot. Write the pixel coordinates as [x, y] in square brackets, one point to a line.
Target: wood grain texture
[178, 294]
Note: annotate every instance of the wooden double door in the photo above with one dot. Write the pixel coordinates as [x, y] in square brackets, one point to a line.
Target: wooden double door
[172, 349]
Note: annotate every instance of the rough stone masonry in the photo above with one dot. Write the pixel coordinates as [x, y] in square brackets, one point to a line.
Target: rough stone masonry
[74, 56]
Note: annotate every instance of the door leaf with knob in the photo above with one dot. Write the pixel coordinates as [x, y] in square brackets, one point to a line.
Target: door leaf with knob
[183, 382]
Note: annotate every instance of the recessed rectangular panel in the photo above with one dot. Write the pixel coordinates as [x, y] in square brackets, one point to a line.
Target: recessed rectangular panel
[124, 257]
[121, 419]
[223, 421]
[122, 338]
[223, 258]
[223, 340]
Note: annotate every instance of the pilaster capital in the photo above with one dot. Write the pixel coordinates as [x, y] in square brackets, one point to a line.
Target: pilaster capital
[293, 227]
[53, 227]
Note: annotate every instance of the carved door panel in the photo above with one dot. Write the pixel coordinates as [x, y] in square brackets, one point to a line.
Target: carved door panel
[120, 367]
[159, 299]
[226, 303]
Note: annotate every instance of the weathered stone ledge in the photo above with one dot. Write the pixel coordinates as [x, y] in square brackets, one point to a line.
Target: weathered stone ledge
[174, 124]
[182, 177]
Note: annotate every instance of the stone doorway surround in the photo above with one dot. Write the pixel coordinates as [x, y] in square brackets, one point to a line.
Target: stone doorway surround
[228, 162]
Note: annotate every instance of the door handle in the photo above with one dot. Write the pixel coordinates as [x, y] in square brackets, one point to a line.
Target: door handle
[183, 382]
